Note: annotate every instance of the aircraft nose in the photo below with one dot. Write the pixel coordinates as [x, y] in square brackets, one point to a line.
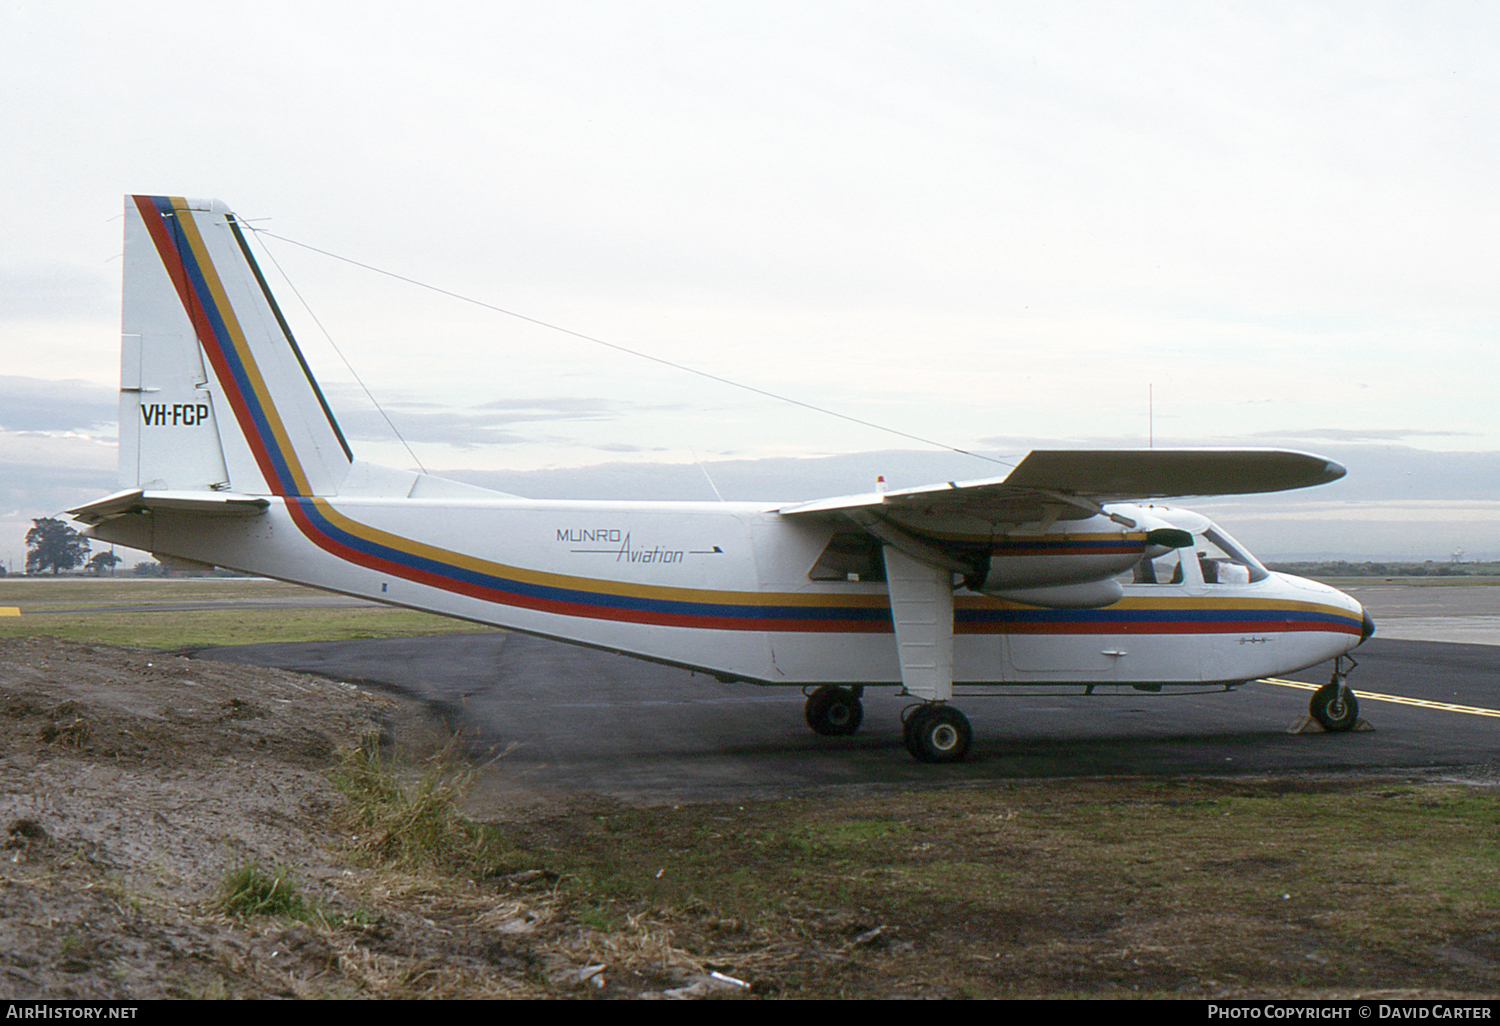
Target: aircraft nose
[1367, 628]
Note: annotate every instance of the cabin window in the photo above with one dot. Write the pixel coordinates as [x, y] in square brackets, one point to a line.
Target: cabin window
[1164, 569]
[849, 556]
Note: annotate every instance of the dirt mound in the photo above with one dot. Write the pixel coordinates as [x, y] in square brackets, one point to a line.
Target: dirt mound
[134, 783]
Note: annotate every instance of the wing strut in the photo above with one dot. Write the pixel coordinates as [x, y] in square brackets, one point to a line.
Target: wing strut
[922, 609]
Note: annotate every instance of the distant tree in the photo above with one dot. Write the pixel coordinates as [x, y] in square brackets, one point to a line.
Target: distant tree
[101, 563]
[54, 546]
[150, 568]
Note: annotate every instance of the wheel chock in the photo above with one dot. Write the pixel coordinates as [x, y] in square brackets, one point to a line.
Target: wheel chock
[1308, 725]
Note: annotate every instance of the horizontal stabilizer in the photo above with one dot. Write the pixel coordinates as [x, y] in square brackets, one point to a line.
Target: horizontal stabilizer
[207, 504]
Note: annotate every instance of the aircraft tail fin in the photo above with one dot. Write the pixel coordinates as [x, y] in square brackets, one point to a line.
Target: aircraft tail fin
[214, 393]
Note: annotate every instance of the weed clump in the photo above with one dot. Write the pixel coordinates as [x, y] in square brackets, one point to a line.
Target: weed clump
[249, 890]
[415, 823]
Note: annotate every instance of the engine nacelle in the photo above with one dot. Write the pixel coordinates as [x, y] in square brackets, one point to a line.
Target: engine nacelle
[1088, 595]
[1087, 552]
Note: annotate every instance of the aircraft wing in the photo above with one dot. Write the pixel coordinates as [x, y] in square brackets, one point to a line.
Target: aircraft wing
[1098, 476]
[137, 500]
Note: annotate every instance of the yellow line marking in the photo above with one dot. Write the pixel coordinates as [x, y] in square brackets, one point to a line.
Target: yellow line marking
[10, 610]
[1423, 703]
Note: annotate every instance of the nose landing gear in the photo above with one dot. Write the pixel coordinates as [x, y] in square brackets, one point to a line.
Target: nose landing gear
[1334, 705]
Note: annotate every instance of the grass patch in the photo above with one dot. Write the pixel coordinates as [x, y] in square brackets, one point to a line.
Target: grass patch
[64, 591]
[248, 890]
[409, 818]
[197, 629]
[1300, 888]
[1024, 889]
[150, 614]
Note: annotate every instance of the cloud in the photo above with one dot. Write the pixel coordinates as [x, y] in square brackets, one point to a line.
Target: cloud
[626, 447]
[32, 404]
[55, 293]
[1395, 502]
[568, 407]
[497, 422]
[30, 489]
[1365, 434]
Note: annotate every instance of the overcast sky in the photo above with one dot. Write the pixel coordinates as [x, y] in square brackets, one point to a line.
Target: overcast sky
[985, 224]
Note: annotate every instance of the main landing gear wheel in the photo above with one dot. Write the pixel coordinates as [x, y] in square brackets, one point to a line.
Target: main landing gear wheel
[833, 711]
[1334, 706]
[937, 733]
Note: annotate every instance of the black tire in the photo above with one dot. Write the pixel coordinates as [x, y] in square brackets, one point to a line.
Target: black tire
[911, 727]
[1334, 706]
[834, 711]
[938, 733]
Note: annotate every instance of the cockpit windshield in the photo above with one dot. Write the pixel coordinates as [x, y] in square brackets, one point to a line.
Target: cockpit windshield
[1224, 562]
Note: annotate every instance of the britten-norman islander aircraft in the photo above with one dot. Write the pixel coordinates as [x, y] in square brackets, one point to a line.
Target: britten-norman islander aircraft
[1054, 574]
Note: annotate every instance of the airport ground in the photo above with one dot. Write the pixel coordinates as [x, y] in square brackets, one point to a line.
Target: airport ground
[1113, 847]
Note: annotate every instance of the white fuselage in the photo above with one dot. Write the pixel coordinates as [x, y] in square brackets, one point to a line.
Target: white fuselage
[725, 588]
